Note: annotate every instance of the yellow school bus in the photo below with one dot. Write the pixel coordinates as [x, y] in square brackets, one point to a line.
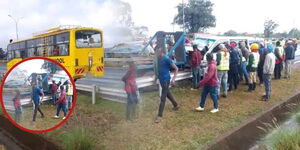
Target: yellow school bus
[79, 49]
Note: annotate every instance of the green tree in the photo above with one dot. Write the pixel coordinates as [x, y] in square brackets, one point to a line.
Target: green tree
[197, 15]
[269, 28]
[231, 33]
[294, 33]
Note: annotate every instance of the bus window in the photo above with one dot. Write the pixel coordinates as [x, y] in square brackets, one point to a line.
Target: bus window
[62, 45]
[62, 38]
[17, 54]
[31, 43]
[22, 45]
[15, 46]
[88, 38]
[39, 51]
[23, 54]
[31, 52]
[63, 49]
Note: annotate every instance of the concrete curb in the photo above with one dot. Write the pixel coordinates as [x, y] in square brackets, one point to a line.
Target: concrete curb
[245, 135]
[24, 140]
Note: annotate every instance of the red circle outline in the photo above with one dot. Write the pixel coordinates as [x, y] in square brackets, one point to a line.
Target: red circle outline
[45, 130]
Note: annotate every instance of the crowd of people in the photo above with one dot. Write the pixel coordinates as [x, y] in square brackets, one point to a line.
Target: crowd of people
[61, 97]
[228, 65]
[235, 63]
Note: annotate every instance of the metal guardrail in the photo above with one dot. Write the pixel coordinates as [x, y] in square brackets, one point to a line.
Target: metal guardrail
[24, 102]
[117, 93]
[88, 88]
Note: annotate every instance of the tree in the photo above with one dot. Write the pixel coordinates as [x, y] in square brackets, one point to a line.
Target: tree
[270, 27]
[197, 15]
[231, 33]
[2, 53]
[123, 13]
[294, 33]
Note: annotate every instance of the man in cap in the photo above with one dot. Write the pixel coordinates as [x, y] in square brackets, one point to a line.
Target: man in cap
[269, 66]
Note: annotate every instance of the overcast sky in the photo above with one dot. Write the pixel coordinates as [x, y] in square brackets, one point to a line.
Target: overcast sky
[240, 15]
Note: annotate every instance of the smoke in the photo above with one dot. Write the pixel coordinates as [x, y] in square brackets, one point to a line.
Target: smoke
[112, 16]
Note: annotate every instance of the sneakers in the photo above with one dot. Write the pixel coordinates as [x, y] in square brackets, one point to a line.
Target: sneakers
[56, 117]
[214, 110]
[158, 119]
[64, 118]
[224, 96]
[175, 108]
[200, 108]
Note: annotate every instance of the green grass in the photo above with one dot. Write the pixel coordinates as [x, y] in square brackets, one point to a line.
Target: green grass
[41, 123]
[182, 130]
[78, 139]
[284, 140]
[297, 118]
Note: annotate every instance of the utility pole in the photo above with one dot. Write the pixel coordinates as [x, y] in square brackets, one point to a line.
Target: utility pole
[183, 16]
[16, 21]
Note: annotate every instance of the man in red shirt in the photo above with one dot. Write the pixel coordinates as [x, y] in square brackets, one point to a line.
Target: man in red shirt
[131, 89]
[195, 63]
[210, 83]
[61, 103]
[54, 92]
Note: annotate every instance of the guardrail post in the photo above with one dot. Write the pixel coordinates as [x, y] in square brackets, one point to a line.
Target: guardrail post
[93, 94]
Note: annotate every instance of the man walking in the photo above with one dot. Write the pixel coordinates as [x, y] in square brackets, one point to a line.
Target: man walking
[269, 66]
[210, 83]
[290, 56]
[54, 88]
[222, 67]
[279, 53]
[36, 93]
[196, 61]
[165, 64]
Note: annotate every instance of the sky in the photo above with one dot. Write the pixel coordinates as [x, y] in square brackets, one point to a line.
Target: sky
[157, 15]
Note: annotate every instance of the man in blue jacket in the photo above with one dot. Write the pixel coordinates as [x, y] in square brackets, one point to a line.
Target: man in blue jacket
[289, 57]
[165, 64]
[36, 93]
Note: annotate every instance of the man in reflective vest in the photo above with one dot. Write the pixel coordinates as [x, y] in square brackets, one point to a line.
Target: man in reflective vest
[222, 67]
[279, 53]
[252, 66]
[69, 95]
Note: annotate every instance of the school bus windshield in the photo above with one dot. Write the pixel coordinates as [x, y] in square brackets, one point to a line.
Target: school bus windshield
[88, 38]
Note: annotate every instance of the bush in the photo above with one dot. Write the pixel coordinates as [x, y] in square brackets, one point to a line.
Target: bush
[286, 140]
[78, 139]
[298, 118]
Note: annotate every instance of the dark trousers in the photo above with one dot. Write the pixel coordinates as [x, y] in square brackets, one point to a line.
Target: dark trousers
[213, 94]
[233, 80]
[240, 75]
[277, 71]
[260, 73]
[164, 94]
[196, 76]
[131, 105]
[37, 108]
[268, 84]
[64, 109]
[53, 98]
[18, 113]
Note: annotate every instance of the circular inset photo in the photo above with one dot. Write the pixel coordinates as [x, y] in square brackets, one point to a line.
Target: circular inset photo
[38, 94]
